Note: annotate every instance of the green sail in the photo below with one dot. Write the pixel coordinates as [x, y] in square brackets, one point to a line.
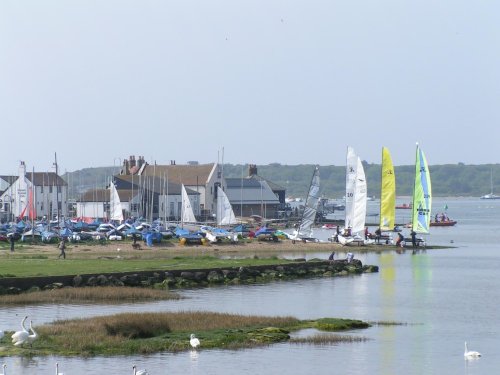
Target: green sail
[422, 195]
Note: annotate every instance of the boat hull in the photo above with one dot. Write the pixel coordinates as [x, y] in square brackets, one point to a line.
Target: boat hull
[448, 223]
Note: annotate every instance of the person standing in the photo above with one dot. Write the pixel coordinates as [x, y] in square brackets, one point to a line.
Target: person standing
[12, 241]
[413, 239]
[62, 248]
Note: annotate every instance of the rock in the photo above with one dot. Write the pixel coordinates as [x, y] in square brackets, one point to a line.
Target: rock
[77, 281]
[215, 277]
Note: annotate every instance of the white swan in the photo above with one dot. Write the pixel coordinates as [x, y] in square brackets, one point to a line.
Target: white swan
[194, 341]
[57, 370]
[25, 337]
[470, 353]
[139, 372]
[17, 335]
[3, 369]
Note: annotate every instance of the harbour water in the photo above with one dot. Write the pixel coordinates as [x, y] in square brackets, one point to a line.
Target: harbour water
[441, 298]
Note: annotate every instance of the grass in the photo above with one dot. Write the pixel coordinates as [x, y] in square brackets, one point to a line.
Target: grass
[106, 294]
[323, 339]
[134, 333]
[20, 266]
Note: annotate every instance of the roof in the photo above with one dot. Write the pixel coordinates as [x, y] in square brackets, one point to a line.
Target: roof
[9, 179]
[95, 195]
[251, 194]
[45, 179]
[233, 183]
[150, 183]
[182, 174]
[272, 185]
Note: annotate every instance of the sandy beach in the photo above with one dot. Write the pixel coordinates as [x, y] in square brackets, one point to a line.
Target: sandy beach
[174, 248]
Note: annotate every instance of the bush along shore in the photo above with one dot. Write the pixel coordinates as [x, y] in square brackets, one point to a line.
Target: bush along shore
[143, 333]
[172, 279]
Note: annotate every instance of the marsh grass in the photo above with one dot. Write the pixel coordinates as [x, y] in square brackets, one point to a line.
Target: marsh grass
[150, 332]
[137, 333]
[106, 294]
[327, 339]
[390, 323]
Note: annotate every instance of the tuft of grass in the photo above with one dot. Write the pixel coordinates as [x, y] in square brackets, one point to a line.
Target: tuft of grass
[108, 294]
[388, 323]
[322, 339]
[333, 324]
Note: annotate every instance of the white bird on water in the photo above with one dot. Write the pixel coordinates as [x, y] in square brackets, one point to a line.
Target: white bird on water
[470, 353]
[57, 370]
[139, 372]
[194, 341]
[3, 369]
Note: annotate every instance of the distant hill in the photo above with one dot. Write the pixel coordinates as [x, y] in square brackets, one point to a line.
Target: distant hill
[447, 180]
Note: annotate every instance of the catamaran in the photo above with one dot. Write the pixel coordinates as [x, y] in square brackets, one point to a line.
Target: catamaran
[304, 232]
[387, 197]
[387, 192]
[355, 198]
[422, 195]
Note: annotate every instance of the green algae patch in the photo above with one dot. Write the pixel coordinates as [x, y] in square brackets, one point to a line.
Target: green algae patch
[333, 324]
[136, 333]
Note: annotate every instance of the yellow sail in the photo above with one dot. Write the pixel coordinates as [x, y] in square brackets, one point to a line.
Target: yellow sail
[387, 192]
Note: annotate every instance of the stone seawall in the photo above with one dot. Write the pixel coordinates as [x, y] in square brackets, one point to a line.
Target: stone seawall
[191, 277]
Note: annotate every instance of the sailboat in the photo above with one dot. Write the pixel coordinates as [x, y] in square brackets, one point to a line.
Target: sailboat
[187, 216]
[422, 195]
[491, 195]
[115, 205]
[356, 197]
[387, 192]
[225, 213]
[304, 231]
[224, 216]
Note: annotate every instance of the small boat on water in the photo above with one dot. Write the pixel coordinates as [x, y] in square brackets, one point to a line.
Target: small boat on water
[445, 223]
[404, 206]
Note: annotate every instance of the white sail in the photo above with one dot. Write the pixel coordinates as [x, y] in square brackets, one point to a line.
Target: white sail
[360, 198]
[356, 193]
[187, 209]
[350, 183]
[225, 213]
[310, 207]
[115, 205]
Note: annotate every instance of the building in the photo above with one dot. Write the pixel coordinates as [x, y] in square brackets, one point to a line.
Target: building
[35, 194]
[255, 195]
[201, 178]
[148, 197]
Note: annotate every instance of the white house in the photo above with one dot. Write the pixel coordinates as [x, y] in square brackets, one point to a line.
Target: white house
[42, 193]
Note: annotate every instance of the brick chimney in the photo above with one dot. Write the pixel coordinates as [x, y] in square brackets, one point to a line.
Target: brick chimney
[252, 169]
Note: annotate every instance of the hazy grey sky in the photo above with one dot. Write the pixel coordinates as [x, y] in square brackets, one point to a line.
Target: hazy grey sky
[269, 81]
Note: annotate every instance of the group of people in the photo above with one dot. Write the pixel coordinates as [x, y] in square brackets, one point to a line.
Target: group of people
[441, 217]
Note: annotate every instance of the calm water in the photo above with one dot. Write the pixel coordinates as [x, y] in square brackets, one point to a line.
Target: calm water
[444, 296]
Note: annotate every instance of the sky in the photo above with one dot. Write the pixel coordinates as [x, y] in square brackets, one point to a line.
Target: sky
[260, 81]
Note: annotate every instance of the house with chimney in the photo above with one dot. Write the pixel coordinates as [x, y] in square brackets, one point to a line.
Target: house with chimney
[33, 194]
[203, 179]
[255, 195]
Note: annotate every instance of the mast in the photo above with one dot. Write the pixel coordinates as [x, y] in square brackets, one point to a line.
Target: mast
[57, 190]
[413, 203]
